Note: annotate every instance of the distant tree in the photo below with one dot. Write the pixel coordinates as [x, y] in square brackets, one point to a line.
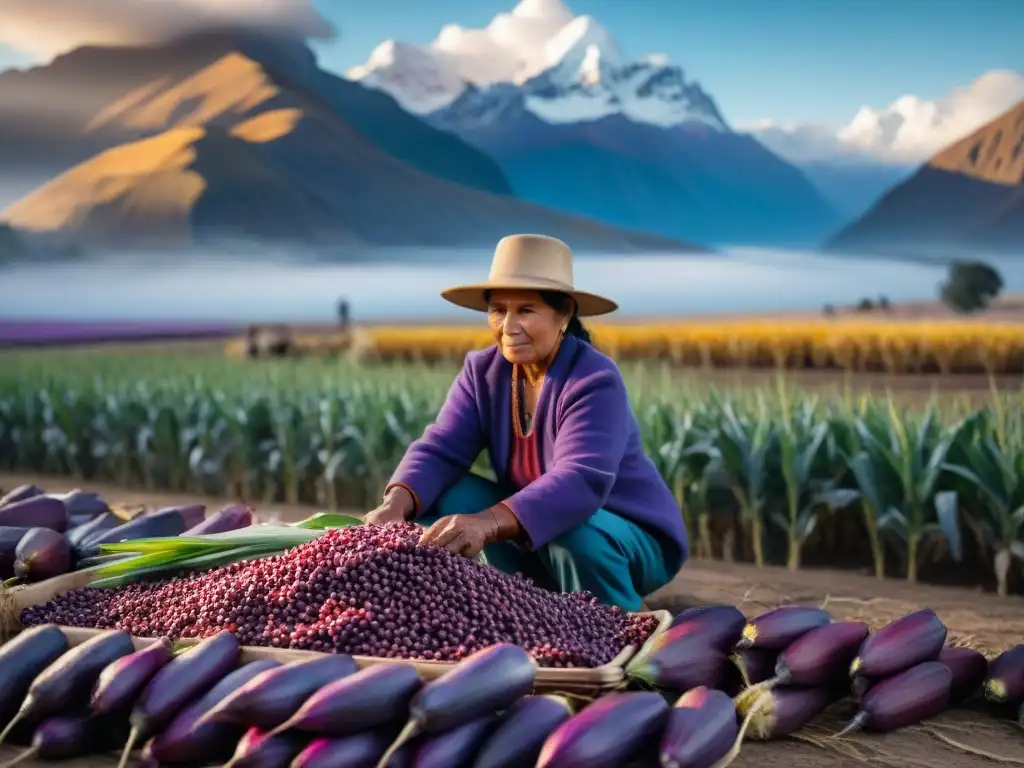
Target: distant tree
[884, 303]
[970, 286]
[829, 310]
[865, 305]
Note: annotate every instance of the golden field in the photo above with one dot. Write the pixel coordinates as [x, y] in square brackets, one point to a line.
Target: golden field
[857, 345]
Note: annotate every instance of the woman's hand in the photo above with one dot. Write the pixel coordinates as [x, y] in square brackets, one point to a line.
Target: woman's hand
[467, 535]
[384, 514]
[397, 507]
[464, 535]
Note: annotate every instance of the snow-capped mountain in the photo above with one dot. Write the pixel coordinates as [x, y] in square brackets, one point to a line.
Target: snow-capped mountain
[579, 126]
[564, 94]
[421, 81]
[569, 67]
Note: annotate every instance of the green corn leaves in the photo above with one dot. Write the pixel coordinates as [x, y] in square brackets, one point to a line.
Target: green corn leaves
[778, 476]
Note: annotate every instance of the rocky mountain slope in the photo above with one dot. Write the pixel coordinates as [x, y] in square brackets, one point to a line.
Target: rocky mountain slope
[228, 135]
[276, 177]
[968, 196]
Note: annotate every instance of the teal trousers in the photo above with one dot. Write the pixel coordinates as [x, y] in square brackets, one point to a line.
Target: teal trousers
[613, 558]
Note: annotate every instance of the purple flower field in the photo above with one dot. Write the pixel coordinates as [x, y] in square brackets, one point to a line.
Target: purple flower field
[54, 332]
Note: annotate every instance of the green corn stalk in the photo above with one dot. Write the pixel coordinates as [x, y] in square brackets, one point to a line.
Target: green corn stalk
[994, 471]
[743, 445]
[332, 432]
[874, 489]
[681, 450]
[799, 450]
[872, 474]
[916, 455]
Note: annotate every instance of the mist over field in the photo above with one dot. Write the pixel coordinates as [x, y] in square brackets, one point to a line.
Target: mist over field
[294, 285]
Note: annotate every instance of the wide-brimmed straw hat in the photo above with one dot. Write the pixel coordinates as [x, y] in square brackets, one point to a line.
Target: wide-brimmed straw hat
[530, 262]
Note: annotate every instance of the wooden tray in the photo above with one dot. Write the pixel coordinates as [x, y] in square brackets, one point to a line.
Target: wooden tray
[585, 682]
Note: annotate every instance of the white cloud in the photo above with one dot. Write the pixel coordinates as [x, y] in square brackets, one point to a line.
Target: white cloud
[513, 47]
[46, 28]
[909, 130]
[800, 142]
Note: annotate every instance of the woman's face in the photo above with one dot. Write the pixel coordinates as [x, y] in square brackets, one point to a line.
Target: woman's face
[525, 328]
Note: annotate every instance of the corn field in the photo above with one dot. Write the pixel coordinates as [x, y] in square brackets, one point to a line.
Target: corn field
[890, 346]
[776, 476]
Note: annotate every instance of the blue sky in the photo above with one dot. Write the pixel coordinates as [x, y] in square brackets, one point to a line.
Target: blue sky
[799, 60]
[792, 60]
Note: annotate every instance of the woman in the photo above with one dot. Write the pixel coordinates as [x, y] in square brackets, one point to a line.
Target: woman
[577, 505]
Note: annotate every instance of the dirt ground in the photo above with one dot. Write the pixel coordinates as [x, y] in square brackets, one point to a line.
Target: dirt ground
[969, 737]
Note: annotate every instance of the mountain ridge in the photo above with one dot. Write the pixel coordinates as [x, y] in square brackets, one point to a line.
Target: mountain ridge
[968, 195]
[578, 126]
[703, 183]
[539, 48]
[100, 77]
[237, 120]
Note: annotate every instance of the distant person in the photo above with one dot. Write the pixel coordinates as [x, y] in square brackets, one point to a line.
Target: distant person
[577, 505]
[343, 314]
